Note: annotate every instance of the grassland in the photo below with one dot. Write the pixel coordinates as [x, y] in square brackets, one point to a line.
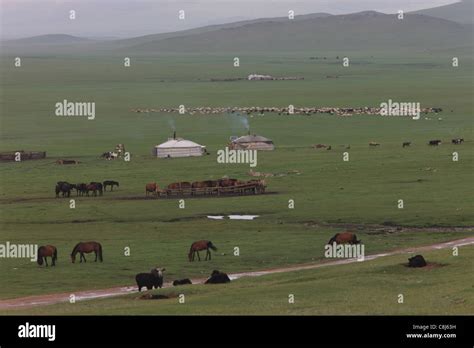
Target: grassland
[328, 191]
[370, 287]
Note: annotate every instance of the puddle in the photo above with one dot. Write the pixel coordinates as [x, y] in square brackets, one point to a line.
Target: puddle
[233, 217]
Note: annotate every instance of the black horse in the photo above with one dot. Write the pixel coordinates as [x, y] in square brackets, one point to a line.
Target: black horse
[64, 188]
[110, 183]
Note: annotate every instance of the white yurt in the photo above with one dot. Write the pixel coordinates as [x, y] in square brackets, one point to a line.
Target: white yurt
[178, 147]
[252, 142]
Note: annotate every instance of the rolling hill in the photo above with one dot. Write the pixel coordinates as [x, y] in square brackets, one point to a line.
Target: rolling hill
[360, 31]
[461, 12]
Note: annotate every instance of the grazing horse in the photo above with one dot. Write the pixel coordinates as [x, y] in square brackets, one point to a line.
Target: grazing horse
[344, 238]
[434, 142]
[87, 247]
[81, 189]
[47, 251]
[110, 183]
[406, 143]
[151, 188]
[198, 246]
[64, 188]
[93, 188]
[99, 187]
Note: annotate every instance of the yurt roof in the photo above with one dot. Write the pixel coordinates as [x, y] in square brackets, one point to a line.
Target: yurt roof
[178, 143]
[252, 139]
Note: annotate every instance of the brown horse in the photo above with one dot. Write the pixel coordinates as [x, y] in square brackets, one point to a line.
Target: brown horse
[179, 186]
[93, 188]
[198, 246]
[208, 186]
[87, 247]
[151, 188]
[47, 251]
[344, 238]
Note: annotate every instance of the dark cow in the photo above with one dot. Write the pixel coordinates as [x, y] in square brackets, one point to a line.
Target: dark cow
[218, 277]
[457, 141]
[151, 280]
[406, 144]
[434, 142]
[182, 282]
[416, 261]
[344, 238]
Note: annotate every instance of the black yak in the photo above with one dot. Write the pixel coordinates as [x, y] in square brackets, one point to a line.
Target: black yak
[218, 277]
[151, 280]
[416, 261]
[182, 282]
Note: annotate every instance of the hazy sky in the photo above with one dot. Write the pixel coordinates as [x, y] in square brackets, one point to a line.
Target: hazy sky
[127, 18]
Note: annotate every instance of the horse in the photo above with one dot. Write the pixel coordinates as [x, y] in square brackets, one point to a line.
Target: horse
[91, 187]
[151, 188]
[457, 141]
[64, 188]
[179, 186]
[110, 183]
[344, 238]
[87, 247]
[434, 142]
[226, 182]
[99, 187]
[406, 143]
[81, 189]
[198, 246]
[47, 251]
[373, 143]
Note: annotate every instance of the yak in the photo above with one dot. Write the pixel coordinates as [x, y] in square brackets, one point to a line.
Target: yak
[182, 282]
[416, 261]
[151, 280]
[218, 277]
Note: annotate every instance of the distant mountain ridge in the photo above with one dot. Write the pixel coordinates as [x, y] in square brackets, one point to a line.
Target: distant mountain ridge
[461, 12]
[363, 31]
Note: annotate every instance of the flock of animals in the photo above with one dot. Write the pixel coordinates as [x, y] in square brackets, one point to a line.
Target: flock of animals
[153, 279]
[366, 110]
[437, 142]
[208, 187]
[64, 188]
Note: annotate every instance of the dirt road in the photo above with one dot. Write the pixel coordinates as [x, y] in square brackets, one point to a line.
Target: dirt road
[41, 300]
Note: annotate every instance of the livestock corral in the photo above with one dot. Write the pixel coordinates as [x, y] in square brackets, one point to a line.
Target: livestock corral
[221, 187]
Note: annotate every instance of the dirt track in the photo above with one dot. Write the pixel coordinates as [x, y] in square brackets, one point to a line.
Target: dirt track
[40, 300]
